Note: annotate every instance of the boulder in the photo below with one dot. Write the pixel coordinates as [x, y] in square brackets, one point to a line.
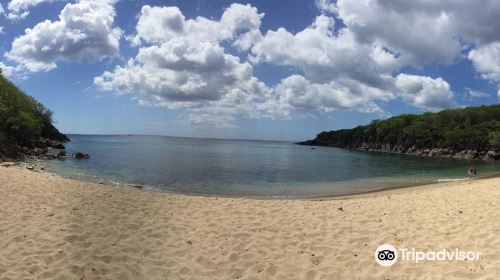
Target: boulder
[471, 154]
[38, 151]
[79, 155]
[43, 143]
[419, 152]
[466, 154]
[59, 146]
[53, 154]
[492, 155]
[411, 150]
[48, 156]
[400, 149]
[460, 155]
[434, 152]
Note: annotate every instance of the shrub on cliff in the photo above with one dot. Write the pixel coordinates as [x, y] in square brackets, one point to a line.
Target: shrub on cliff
[22, 119]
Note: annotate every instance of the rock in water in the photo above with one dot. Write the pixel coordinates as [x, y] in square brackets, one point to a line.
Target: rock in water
[79, 155]
[53, 154]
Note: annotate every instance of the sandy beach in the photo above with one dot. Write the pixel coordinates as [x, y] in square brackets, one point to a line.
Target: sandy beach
[54, 228]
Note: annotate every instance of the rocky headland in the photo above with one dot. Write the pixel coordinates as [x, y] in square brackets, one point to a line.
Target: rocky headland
[471, 133]
[26, 126]
[490, 155]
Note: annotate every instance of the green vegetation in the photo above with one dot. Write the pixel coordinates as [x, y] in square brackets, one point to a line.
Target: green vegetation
[474, 128]
[23, 120]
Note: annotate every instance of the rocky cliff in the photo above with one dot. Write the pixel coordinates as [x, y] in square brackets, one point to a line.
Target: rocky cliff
[428, 152]
[466, 133]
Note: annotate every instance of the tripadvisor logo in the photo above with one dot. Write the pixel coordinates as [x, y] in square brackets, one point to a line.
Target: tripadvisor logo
[387, 255]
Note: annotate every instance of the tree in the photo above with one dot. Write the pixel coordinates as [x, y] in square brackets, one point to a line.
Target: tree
[494, 139]
[476, 128]
[23, 126]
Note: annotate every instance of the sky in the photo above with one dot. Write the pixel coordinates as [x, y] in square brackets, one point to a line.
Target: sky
[268, 69]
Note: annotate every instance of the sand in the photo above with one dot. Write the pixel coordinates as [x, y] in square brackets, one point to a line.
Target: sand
[54, 228]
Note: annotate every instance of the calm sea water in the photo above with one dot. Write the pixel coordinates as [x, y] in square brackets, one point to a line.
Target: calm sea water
[249, 168]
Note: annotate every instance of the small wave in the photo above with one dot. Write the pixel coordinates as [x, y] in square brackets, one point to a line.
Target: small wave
[452, 179]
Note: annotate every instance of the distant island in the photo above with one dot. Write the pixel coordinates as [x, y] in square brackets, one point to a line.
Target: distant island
[469, 133]
[26, 125]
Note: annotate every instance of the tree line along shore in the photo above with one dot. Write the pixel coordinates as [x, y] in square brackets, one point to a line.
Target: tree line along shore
[468, 133]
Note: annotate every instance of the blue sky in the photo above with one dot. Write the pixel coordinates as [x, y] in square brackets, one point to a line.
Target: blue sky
[247, 69]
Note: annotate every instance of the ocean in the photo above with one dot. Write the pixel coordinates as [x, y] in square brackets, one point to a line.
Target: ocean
[249, 168]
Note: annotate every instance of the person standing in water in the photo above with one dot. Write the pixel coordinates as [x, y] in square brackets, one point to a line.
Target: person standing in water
[472, 172]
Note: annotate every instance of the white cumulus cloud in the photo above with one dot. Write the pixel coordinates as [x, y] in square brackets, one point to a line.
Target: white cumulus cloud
[181, 64]
[340, 72]
[351, 57]
[160, 24]
[324, 56]
[84, 30]
[471, 94]
[424, 92]
[157, 24]
[19, 9]
[422, 31]
[298, 96]
[177, 71]
[7, 70]
[326, 6]
[486, 60]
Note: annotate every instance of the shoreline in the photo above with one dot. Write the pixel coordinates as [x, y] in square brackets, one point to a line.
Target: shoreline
[61, 228]
[152, 189]
[25, 166]
[261, 197]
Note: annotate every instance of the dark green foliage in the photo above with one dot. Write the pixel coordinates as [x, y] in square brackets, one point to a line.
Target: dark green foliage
[494, 139]
[23, 125]
[22, 118]
[474, 128]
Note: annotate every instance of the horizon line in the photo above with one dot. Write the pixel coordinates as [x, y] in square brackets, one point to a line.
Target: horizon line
[171, 136]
